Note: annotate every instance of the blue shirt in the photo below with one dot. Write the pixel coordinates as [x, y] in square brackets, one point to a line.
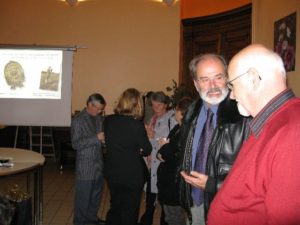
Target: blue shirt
[199, 127]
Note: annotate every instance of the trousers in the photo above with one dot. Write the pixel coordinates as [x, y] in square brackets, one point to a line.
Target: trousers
[124, 204]
[87, 201]
[151, 198]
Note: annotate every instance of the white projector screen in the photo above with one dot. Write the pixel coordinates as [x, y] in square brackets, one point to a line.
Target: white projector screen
[35, 86]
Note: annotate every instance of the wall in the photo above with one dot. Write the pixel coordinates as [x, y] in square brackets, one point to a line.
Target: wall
[197, 8]
[129, 43]
[265, 13]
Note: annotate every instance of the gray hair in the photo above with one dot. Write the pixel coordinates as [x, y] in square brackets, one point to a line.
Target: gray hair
[202, 57]
[96, 97]
[160, 96]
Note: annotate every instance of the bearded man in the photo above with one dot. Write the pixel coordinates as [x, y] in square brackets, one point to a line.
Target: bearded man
[211, 135]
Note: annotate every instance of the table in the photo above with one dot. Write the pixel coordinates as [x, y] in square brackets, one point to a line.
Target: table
[26, 161]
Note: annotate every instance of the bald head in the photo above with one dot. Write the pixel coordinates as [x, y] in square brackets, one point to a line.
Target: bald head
[258, 75]
[261, 58]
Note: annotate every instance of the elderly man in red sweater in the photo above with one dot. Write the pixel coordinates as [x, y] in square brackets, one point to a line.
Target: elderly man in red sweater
[263, 186]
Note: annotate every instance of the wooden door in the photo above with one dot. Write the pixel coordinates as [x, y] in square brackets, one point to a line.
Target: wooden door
[224, 33]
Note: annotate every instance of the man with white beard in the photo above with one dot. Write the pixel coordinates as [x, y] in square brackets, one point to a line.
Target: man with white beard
[211, 135]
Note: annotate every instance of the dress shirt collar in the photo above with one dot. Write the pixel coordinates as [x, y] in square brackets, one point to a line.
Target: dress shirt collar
[258, 122]
[214, 108]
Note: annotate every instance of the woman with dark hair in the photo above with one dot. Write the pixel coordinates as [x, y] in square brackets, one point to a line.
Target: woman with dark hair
[127, 142]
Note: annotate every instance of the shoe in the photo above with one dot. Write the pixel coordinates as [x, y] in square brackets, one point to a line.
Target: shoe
[101, 222]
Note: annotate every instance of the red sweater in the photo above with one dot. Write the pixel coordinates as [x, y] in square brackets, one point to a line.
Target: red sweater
[263, 186]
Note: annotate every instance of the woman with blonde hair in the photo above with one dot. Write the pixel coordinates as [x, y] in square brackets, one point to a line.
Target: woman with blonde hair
[127, 142]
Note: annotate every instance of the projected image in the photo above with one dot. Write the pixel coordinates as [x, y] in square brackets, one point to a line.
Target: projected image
[49, 80]
[14, 74]
[30, 74]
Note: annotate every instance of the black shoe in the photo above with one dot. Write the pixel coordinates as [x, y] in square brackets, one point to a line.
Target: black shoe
[101, 222]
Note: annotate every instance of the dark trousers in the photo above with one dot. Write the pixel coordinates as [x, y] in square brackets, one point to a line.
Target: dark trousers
[147, 218]
[124, 204]
[87, 201]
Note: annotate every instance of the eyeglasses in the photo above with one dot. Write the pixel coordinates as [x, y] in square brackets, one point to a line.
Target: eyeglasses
[205, 80]
[229, 83]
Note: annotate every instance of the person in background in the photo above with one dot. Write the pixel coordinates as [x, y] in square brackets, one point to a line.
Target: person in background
[87, 137]
[159, 127]
[167, 172]
[263, 186]
[127, 143]
[211, 135]
[148, 110]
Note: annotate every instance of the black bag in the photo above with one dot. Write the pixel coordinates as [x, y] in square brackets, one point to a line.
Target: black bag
[22, 205]
[7, 211]
[23, 213]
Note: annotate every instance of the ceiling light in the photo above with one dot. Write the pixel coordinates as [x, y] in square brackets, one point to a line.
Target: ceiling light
[72, 2]
[168, 2]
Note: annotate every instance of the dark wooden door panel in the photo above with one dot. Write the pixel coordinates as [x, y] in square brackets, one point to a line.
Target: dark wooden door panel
[206, 44]
[225, 34]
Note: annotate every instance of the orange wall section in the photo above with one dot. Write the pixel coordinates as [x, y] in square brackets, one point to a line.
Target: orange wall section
[198, 8]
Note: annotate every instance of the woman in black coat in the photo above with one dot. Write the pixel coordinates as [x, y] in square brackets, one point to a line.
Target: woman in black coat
[124, 167]
[167, 173]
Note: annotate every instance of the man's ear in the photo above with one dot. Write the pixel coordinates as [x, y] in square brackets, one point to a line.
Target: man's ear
[196, 84]
[254, 78]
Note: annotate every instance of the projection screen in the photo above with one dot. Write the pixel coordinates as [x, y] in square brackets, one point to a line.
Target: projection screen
[35, 86]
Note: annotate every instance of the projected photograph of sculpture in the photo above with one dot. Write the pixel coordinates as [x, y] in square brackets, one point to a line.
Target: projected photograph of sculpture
[285, 40]
[30, 73]
[14, 75]
[49, 80]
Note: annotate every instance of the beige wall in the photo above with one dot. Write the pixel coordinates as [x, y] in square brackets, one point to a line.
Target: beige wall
[130, 43]
[265, 13]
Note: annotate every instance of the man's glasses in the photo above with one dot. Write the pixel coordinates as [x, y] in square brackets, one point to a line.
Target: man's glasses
[229, 83]
[205, 80]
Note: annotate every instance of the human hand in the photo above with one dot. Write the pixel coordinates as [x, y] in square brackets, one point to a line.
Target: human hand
[149, 160]
[196, 179]
[163, 141]
[150, 131]
[101, 137]
[160, 158]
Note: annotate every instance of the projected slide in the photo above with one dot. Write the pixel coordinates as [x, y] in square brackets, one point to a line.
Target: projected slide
[30, 74]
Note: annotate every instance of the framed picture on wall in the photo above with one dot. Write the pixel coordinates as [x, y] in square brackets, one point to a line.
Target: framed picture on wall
[285, 40]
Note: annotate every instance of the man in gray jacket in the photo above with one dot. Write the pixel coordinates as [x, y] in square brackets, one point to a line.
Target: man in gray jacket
[87, 138]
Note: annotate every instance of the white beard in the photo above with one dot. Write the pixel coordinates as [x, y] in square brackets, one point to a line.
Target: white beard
[214, 100]
[242, 110]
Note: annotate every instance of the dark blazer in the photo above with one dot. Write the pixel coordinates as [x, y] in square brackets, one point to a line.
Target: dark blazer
[89, 155]
[126, 142]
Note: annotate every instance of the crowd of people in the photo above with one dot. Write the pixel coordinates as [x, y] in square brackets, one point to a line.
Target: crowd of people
[229, 157]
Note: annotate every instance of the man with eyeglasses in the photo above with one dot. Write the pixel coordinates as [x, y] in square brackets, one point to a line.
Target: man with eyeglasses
[87, 138]
[211, 134]
[263, 186]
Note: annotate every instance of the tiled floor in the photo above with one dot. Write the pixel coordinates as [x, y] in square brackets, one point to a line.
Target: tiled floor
[58, 195]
